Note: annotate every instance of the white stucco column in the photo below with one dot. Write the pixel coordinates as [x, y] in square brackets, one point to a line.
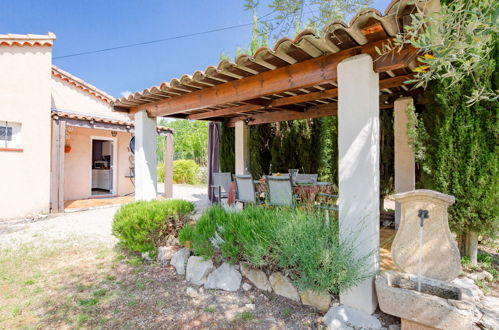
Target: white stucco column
[405, 167]
[358, 147]
[145, 157]
[242, 147]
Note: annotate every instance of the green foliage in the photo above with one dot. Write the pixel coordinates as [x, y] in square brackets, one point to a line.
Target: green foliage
[312, 255]
[142, 226]
[227, 156]
[160, 172]
[291, 240]
[185, 171]
[190, 140]
[287, 17]
[457, 43]
[457, 146]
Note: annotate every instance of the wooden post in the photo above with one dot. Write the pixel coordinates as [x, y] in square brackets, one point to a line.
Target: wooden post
[169, 165]
[57, 166]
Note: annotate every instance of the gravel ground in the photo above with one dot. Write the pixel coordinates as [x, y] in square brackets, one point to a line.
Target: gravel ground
[93, 223]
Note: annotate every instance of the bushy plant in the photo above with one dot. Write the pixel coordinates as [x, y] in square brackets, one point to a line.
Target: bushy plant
[311, 253]
[160, 170]
[185, 171]
[143, 226]
[294, 241]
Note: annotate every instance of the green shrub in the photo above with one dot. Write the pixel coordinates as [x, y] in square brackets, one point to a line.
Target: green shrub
[142, 226]
[185, 171]
[311, 253]
[160, 171]
[291, 240]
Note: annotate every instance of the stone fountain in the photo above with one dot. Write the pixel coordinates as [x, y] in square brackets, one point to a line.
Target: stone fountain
[426, 253]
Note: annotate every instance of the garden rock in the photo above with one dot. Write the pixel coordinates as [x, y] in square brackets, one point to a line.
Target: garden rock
[198, 270]
[481, 276]
[179, 260]
[257, 277]
[470, 291]
[247, 286]
[191, 292]
[321, 301]
[225, 277]
[166, 253]
[344, 317]
[146, 256]
[283, 287]
[490, 310]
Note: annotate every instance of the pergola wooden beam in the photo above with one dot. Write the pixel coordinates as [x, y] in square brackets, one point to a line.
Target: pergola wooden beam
[286, 101]
[322, 110]
[300, 75]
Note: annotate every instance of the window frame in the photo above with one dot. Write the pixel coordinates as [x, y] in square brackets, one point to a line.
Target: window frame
[15, 141]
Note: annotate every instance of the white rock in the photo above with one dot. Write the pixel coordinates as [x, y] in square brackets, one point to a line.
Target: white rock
[344, 317]
[179, 260]
[191, 292]
[250, 306]
[165, 253]
[198, 270]
[283, 287]
[247, 287]
[225, 277]
[470, 291]
[146, 256]
[490, 310]
[257, 277]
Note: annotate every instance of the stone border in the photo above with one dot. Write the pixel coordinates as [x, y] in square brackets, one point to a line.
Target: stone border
[228, 277]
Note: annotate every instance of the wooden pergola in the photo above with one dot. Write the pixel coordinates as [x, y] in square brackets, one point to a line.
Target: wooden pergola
[337, 73]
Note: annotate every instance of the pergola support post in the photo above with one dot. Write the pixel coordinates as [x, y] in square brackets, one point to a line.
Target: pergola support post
[405, 167]
[169, 165]
[242, 147]
[145, 157]
[359, 152]
[57, 166]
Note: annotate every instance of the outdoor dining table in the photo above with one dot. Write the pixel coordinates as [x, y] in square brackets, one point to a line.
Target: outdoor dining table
[306, 191]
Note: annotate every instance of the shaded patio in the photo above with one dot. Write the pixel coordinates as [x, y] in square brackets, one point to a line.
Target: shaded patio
[339, 73]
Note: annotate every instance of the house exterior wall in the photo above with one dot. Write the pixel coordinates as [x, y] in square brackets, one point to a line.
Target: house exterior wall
[25, 73]
[68, 97]
[77, 163]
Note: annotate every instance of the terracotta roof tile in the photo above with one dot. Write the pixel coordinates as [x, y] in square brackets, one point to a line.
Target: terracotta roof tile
[79, 116]
[79, 83]
[369, 25]
[27, 39]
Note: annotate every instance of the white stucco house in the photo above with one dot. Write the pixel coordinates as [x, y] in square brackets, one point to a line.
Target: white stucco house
[60, 139]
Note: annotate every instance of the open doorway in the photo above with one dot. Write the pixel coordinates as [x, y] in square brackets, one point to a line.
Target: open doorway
[102, 166]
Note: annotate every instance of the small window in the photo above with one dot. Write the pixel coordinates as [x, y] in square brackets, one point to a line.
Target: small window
[10, 135]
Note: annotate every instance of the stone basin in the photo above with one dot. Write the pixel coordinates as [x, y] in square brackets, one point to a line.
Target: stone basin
[439, 305]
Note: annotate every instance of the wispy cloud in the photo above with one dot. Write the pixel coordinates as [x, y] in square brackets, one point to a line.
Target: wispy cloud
[125, 93]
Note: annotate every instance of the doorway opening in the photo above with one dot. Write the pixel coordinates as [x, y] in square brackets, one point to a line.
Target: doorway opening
[102, 166]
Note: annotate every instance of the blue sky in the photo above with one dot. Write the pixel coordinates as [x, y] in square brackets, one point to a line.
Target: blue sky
[85, 25]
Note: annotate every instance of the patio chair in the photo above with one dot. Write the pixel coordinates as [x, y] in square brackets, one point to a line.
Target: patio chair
[327, 207]
[292, 173]
[306, 178]
[245, 189]
[221, 185]
[280, 191]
